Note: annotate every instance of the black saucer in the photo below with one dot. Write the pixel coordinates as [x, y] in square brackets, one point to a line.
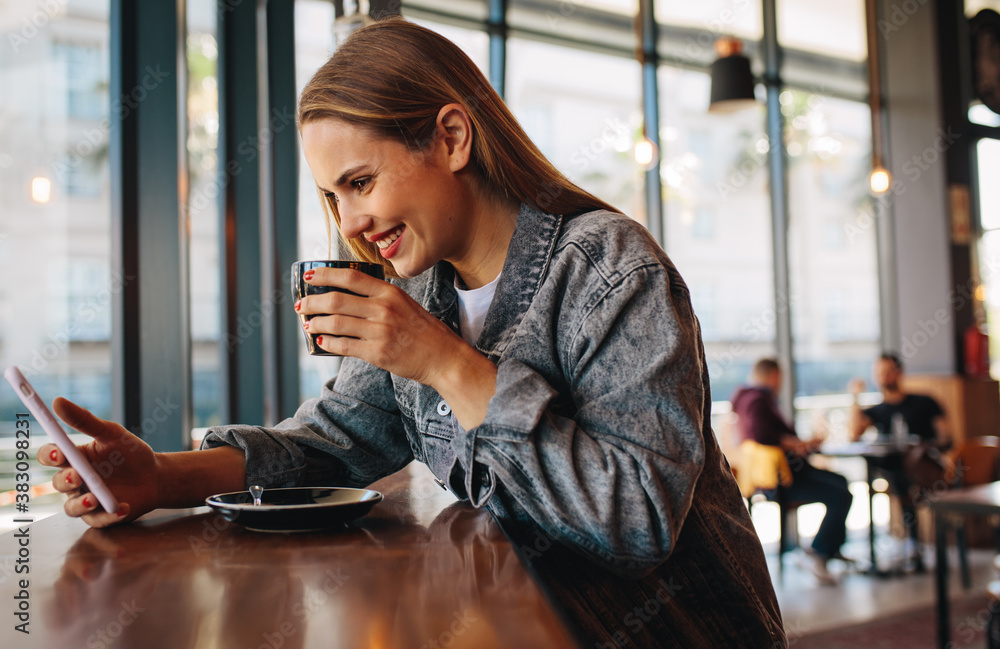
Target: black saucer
[295, 509]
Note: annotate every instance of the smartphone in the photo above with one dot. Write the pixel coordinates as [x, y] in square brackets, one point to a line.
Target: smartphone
[56, 433]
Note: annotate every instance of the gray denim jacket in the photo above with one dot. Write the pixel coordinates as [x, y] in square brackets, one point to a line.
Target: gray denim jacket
[598, 436]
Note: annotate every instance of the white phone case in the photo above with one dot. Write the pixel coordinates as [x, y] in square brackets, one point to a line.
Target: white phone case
[51, 425]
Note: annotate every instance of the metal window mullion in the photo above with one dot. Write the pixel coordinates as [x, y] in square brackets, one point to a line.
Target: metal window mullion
[651, 119]
[885, 222]
[267, 310]
[242, 353]
[282, 180]
[778, 172]
[497, 27]
[150, 340]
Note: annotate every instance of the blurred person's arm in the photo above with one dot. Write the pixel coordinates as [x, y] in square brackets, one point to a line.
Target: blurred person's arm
[857, 421]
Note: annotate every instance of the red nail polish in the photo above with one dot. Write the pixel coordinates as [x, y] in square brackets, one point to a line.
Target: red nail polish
[121, 510]
[305, 325]
[54, 455]
[319, 340]
[69, 478]
[298, 304]
[308, 275]
[86, 501]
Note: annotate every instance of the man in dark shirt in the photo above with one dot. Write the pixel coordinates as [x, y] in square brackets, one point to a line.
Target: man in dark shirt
[759, 420]
[921, 415]
[900, 413]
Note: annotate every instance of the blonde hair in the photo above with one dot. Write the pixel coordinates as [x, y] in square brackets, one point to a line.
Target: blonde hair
[392, 78]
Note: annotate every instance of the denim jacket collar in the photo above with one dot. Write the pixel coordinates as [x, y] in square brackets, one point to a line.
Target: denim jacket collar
[528, 256]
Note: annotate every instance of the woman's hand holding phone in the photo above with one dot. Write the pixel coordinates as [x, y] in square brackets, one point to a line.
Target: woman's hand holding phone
[126, 463]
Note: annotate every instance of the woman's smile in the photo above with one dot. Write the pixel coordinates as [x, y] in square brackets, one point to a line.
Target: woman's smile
[388, 242]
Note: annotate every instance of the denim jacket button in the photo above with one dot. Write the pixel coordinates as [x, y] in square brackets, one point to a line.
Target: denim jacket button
[444, 409]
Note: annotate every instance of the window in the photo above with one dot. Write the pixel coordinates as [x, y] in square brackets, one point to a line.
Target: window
[55, 237]
[582, 109]
[988, 161]
[703, 225]
[313, 46]
[205, 184]
[810, 25]
[85, 73]
[712, 19]
[834, 288]
[88, 300]
[82, 74]
[718, 222]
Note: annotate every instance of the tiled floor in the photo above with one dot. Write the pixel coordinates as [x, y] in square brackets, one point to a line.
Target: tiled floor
[808, 607]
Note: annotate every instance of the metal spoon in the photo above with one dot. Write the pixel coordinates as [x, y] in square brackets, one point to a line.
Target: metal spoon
[256, 491]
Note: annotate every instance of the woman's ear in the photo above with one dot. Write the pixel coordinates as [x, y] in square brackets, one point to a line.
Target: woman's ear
[455, 130]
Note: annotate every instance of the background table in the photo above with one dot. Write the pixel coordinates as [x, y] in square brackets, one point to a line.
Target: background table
[981, 499]
[872, 453]
[421, 570]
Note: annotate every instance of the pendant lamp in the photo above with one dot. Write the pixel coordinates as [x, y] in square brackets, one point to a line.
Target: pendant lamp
[732, 80]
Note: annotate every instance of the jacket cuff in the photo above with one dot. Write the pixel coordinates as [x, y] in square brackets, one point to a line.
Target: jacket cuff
[272, 461]
[477, 479]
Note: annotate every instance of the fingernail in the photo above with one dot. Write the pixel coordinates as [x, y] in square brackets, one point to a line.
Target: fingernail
[86, 501]
[305, 325]
[319, 340]
[308, 275]
[69, 478]
[54, 455]
[298, 304]
[121, 511]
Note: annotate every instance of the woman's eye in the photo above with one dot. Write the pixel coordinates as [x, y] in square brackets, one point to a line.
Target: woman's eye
[360, 183]
[331, 196]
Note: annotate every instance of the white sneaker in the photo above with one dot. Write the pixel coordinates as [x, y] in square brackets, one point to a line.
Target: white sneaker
[818, 567]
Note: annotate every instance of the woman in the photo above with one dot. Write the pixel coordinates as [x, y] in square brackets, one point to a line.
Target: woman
[536, 350]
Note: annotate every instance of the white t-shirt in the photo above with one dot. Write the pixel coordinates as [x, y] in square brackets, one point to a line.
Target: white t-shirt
[472, 307]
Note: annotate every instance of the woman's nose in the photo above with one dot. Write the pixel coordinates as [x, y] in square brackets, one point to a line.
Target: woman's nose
[353, 223]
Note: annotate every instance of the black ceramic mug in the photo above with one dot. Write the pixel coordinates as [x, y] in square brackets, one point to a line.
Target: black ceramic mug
[300, 289]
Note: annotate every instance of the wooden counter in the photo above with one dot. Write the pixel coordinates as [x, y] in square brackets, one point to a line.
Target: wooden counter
[420, 571]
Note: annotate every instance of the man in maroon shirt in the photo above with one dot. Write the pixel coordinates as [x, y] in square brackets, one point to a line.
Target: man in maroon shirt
[759, 420]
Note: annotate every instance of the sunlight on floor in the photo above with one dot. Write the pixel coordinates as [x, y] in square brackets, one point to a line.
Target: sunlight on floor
[765, 515]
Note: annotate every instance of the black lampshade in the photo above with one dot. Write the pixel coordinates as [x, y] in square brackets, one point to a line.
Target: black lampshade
[732, 84]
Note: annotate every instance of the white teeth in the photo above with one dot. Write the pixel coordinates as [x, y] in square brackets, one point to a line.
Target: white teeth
[385, 242]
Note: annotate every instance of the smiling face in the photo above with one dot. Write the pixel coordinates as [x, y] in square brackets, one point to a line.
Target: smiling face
[415, 207]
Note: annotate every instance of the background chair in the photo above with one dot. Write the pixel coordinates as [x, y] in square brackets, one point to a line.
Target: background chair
[764, 470]
[975, 461]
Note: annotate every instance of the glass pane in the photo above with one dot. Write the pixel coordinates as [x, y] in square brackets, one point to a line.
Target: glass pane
[832, 251]
[980, 114]
[55, 239]
[475, 43]
[973, 7]
[830, 29]
[608, 25]
[624, 7]
[718, 224]
[989, 264]
[741, 18]
[583, 110]
[313, 46]
[988, 152]
[474, 9]
[204, 273]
